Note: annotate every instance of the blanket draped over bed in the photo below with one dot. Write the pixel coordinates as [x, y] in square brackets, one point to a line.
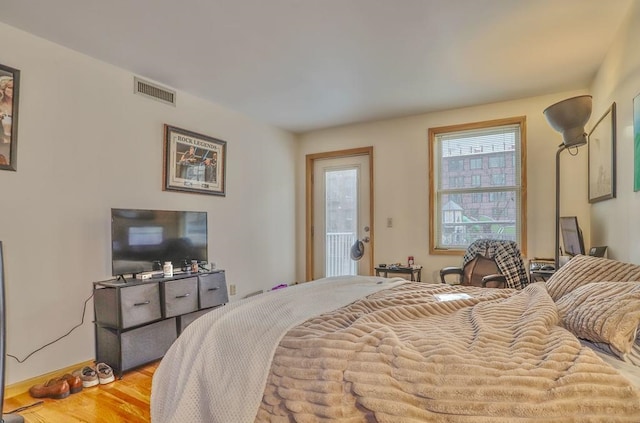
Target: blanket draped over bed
[401, 355]
[215, 372]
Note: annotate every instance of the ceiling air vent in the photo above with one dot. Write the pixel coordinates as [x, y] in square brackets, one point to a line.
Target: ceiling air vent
[156, 92]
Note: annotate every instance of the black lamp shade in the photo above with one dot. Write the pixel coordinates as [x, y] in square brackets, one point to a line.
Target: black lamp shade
[569, 117]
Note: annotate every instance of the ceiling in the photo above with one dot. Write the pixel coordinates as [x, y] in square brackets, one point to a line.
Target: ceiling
[303, 65]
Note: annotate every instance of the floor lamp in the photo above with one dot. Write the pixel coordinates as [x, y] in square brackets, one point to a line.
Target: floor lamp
[567, 117]
[5, 418]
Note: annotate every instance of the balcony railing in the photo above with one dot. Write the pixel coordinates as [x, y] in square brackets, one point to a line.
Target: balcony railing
[338, 259]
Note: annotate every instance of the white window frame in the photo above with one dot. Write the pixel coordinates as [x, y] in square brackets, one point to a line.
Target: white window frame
[435, 192]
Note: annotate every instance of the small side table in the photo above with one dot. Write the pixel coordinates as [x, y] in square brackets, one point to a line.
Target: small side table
[540, 275]
[415, 272]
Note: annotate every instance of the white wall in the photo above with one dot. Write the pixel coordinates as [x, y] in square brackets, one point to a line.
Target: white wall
[401, 178]
[86, 144]
[615, 222]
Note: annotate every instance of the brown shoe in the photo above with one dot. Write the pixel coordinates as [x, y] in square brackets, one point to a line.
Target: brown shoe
[75, 383]
[55, 388]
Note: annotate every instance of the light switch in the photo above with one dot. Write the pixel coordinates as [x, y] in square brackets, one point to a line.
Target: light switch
[389, 222]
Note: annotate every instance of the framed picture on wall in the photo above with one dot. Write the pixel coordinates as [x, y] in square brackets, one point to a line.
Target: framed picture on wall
[602, 157]
[193, 162]
[636, 143]
[9, 89]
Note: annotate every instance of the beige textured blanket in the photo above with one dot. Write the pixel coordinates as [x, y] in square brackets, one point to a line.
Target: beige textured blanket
[401, 355]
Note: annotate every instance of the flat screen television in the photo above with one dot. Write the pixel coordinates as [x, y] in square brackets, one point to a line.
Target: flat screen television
[571, 236]
[142, 240]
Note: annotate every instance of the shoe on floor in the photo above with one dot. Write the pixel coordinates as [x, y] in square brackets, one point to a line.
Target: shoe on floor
[75, 383]
[55, 388]
[88, 375]
[105, 373]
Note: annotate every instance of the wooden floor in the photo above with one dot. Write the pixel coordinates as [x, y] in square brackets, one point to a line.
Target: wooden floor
[125, 400]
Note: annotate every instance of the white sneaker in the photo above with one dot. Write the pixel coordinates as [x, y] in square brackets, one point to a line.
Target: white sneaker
[105, 373]
[88, 376]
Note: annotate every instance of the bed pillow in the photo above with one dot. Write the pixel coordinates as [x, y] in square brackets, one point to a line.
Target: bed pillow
[581, 270]
[606, 313]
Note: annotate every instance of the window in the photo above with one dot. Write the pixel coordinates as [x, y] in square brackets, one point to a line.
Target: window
[456, 164]
[456, 181]
[497, 196]
[496, 161]
[475, 163]
[499, 214]
[498, 179]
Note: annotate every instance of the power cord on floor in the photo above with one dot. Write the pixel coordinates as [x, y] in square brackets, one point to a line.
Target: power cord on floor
[84, 311]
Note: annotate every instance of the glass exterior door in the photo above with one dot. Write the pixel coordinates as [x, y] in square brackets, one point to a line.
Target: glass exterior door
[341, 215]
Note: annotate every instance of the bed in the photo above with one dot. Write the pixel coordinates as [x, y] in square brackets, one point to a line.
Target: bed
[369, 349]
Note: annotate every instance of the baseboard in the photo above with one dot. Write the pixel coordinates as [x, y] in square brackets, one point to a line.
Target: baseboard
[22, 387]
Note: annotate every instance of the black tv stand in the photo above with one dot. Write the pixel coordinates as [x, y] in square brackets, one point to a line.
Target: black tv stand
[137, 321]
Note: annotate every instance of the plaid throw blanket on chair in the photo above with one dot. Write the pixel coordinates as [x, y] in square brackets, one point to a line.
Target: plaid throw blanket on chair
[507, 256]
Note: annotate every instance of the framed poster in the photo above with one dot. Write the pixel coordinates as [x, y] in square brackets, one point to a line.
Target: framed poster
[193, 162]
[9, 89]
[602, 157]
[636, 143]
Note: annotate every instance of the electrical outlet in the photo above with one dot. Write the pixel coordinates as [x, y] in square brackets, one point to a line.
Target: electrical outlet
[389, 222]
[232, 289]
